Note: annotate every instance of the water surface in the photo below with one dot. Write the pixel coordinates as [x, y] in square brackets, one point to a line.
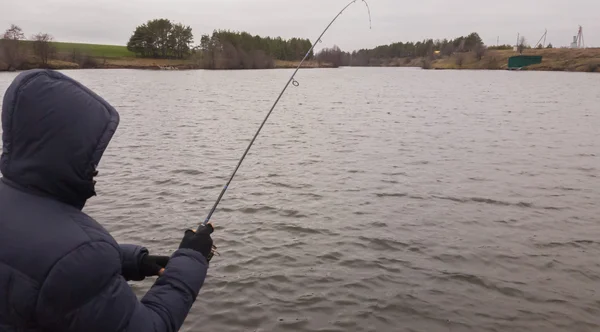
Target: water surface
[375, 199]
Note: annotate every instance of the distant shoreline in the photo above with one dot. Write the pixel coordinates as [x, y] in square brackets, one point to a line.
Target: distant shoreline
[554, 59]
[95, 56]
[562, 59]
[153, 64]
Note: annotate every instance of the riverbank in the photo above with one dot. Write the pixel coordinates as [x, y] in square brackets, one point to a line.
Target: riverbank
[83, 56]
[87, 56]
[149, 64]
[560, 59]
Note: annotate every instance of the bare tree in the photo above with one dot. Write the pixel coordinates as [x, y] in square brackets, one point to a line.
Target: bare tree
[426, 63]
[14, 33]
[262, 60]
[332, 56]
[461, 46]
[42, 47]
[229, 59]
[460, 59]
[247, 61]
[11, 51]
[479, 50]
[522, 45]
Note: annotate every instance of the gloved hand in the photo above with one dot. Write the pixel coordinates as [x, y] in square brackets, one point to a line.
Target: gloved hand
[153, 265]
[200, 241]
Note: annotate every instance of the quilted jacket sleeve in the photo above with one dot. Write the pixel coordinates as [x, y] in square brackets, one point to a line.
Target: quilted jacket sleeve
[85, 291]
[131, 256]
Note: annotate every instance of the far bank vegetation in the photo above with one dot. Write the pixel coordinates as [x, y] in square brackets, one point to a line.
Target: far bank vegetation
[15, 52]
[466, 52]
[163, 44]
[425, 54]
[155, 44]
[39, 51]
[222, 50]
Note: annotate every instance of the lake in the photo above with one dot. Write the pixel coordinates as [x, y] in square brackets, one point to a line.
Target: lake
[375, 199]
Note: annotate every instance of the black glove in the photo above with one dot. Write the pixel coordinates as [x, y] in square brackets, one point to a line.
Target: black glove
[151, 265]
[199, 241]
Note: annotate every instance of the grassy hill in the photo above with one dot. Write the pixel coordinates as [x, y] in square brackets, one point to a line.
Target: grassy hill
[94, 50]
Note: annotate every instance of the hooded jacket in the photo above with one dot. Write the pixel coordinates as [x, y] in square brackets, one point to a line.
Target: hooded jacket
[59, 269]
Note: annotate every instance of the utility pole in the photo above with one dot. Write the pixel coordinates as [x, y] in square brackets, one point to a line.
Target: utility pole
[545, 34]
[544, 38]
[580, 41]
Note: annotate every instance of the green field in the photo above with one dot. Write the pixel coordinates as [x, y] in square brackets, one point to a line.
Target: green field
[95, 50]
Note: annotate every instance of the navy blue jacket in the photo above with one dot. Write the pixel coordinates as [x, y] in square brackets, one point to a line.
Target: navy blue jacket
[59, 269]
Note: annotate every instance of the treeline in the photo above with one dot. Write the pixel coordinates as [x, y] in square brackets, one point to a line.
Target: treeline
[380, 54]
[161, 38]
[224, 49]
[404, 53]
[239, 50]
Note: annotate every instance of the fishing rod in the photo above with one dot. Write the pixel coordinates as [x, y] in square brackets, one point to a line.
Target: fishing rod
[293, 81]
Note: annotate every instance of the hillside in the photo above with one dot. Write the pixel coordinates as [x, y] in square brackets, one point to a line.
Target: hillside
[95, 50]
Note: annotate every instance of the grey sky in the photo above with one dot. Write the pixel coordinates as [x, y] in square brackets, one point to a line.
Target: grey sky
[113, 21]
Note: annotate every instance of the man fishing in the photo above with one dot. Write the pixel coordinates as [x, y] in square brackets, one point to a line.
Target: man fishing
[59, 269]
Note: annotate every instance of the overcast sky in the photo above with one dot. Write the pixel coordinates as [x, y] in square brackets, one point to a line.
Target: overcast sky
[113, 21]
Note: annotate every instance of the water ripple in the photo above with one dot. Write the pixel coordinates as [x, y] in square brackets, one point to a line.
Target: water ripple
[375, 199]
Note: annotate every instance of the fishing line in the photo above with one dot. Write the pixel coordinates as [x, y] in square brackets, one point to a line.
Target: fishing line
[293, 81]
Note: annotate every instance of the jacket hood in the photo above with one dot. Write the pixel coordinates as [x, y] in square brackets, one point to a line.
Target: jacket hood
[54, 132]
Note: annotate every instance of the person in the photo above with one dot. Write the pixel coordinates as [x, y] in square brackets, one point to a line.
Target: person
[59, 269]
